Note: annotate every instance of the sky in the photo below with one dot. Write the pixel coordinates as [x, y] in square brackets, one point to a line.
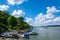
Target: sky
[35, 12]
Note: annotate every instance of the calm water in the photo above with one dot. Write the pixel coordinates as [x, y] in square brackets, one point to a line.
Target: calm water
[50, 33]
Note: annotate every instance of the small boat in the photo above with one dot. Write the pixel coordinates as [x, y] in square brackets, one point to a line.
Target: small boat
[33, 33]
[25, 36]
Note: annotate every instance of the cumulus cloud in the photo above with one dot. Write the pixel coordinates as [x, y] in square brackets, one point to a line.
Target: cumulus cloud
[48, 18]
[28, 19]
[17, 2]
[4, 7]
[57, 19]
[39, 19]
[18, 13]
[52, 9]
[42, 19]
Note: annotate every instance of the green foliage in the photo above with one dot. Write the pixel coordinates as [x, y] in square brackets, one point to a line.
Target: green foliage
[4, 14]
[8, 22]
[16, 28]
[23, 25]
[12, 21]
[20, 20]
[3, 27]
[26, 25]
[3, 21]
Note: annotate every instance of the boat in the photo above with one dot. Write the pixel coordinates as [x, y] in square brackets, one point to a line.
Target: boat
[33, 33]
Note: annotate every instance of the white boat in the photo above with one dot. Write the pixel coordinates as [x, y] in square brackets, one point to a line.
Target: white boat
[33, 33]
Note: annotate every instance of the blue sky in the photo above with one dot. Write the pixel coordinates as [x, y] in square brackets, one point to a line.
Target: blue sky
[35, 12]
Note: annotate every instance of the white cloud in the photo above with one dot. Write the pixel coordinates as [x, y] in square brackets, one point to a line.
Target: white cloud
[57, 19]
[13, 2]
[18, 13]
[28, 19]
[4, 7]
[47, 21]
[39, 16]
[42, 19]
[39, 19]
[52, 9]
[48, 18]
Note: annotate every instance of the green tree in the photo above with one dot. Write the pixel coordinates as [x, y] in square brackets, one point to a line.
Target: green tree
[3, 21]
[25, 25]
[22, 23]
[3, 17]
[3, 27]
[20, 20]
[12, 21]
[4, 14]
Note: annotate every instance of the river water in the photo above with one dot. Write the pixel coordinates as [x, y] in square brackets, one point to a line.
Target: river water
[48, 33]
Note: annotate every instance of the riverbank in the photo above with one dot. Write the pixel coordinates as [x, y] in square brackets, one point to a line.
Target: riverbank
[15, 33]
[3, 38]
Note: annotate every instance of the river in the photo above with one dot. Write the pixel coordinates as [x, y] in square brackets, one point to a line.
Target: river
[48, 33]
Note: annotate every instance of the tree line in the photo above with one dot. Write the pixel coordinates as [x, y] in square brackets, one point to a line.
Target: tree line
[8, 22]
